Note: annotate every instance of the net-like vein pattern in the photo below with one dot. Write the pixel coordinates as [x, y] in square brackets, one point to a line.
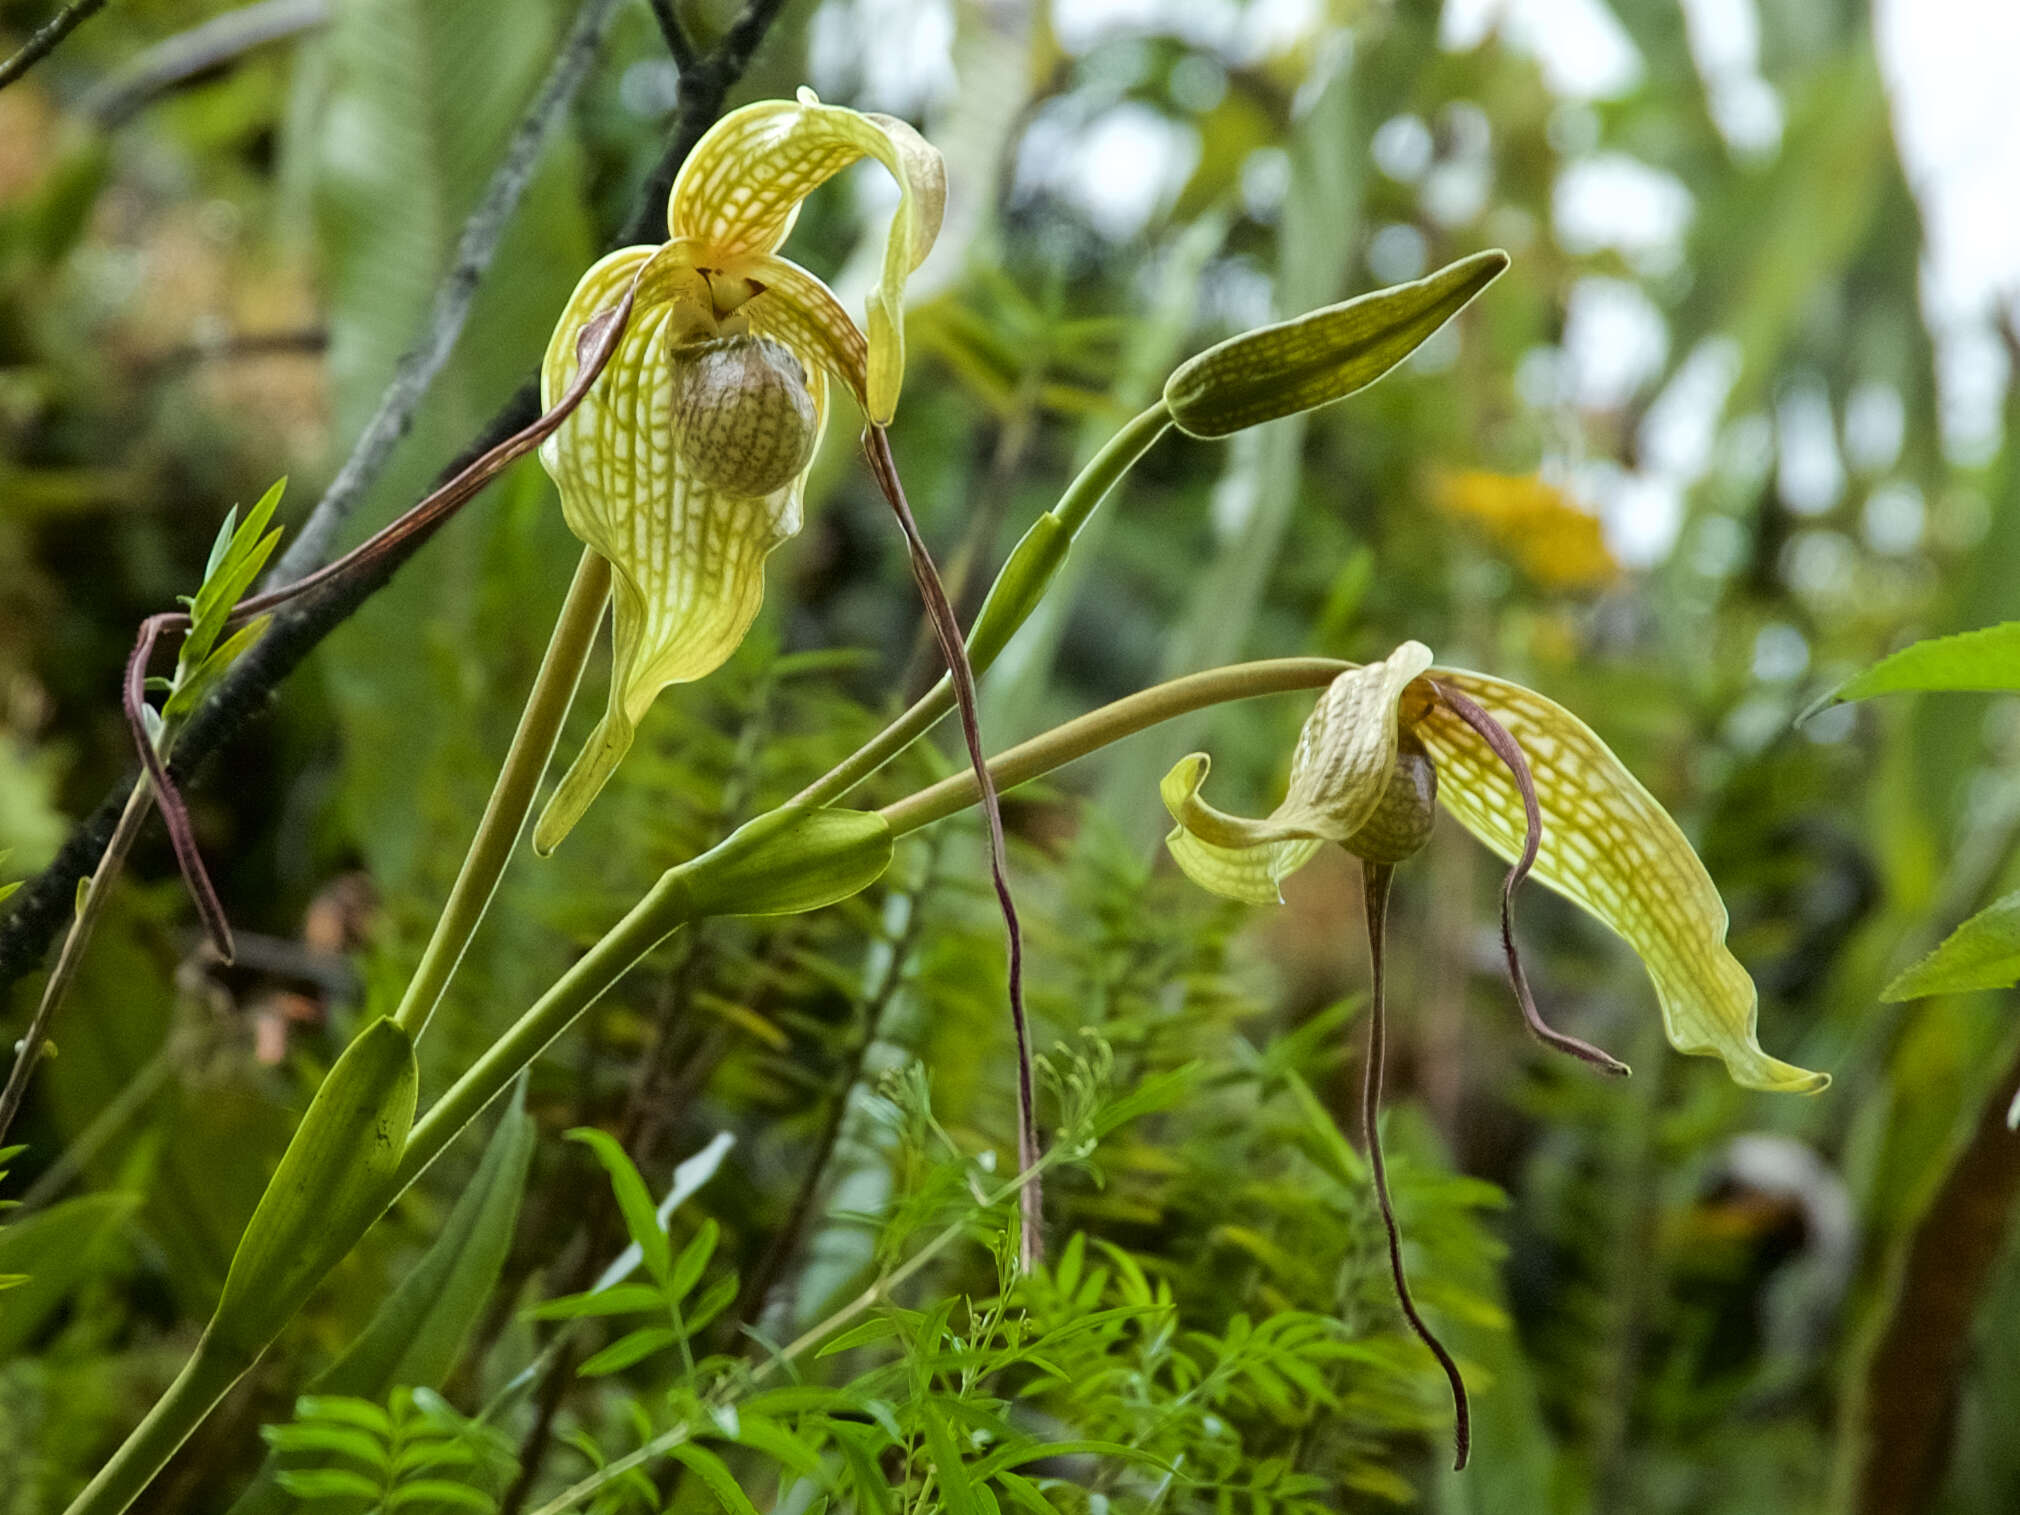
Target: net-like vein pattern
[1339, 773]
[1610, 848]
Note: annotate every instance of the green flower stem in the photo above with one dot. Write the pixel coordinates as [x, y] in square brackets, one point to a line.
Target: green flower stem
[663, 911]
[512, 796]
[1025, 576]
[204, 1380]
[1098, 728]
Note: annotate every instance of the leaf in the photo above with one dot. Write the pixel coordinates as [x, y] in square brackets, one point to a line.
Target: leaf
[1983, 953]
[769, 1437]
[330, 1483]
[621, 1300]
[225, 582]
[688, 1179]
[1984, 661]
[687, 1268]
[633, 1201]
[629, 1349]
[353, 1442]
[941, 1446]
[51, 1254]
[718, 1297]
[357, 1412]
[714, 1472]
[1016, 1456]
[1320, 357]
[185, 696]
[332, 1182]
[441, 1491]
[882, 1328]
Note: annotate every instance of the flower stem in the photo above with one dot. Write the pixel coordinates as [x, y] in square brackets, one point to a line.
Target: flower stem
[1019, 586]
[29, 1052]
[512, 796]
[1377, 877]
[1098, 728]
[1031, 1245]
[205, 1379]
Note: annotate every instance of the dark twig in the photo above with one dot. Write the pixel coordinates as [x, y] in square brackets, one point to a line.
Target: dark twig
[678, 44]
[1376, 878]
[1509, 751]
[209, 45]
[954, 648]
[48, 38]
[454, 296]
[40, 909]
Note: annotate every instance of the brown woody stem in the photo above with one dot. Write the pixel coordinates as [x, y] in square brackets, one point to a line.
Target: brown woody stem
[600, 337]
[1376, 878]
[877, 444]
[1509, 751]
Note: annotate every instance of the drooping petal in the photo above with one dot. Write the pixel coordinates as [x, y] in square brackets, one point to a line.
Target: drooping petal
[802, 312]
[741, 188]
[1344, 757]
[1610, 848]
[687, 560]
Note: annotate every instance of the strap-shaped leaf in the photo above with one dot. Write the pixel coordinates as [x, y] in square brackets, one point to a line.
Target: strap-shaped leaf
[332, 1182]
[1610, 848]
[1341, 768]
[1322, 356]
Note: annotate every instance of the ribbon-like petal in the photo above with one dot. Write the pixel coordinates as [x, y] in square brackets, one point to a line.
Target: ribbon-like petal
[687, 560]
[740, 191]
[1344, 757]
[1610, 848]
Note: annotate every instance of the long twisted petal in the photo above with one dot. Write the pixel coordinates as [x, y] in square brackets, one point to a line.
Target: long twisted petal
[1609, 847]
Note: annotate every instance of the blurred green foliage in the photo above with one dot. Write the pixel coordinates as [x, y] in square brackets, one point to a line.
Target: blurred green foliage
[1669, 1295]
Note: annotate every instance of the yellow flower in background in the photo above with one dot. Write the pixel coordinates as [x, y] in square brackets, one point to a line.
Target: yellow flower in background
[1555, 543]
[1390, 738]
[685, 465]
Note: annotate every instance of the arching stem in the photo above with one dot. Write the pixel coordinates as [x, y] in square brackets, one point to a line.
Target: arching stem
[1509, 751]
[877, 444]
[1376, 878]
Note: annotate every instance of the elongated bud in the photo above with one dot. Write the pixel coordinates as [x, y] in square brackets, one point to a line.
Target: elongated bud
[1321, 357]
[743, 419]
[1402, 820]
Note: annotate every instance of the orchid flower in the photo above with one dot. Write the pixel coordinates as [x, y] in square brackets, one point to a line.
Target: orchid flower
[685, 465]
[1391, 740]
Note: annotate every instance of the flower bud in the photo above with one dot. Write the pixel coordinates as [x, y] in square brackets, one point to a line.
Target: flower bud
[743, 420]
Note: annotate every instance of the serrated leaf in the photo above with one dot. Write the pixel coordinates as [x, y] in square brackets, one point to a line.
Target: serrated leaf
[1983, 953]
[634, 1202]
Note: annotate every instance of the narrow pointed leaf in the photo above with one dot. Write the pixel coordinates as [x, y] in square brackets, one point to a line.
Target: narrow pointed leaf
[1983, 953]
[1986, 660]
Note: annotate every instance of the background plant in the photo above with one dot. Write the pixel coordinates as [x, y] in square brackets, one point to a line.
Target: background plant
[213, 289]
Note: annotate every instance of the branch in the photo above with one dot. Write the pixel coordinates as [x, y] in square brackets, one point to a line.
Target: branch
[45, 41]
[454, 296]
[42, 907]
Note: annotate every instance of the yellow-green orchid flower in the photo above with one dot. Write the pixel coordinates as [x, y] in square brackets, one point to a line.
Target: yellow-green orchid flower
[1388, 737]
[684, 467]
[1390, 740]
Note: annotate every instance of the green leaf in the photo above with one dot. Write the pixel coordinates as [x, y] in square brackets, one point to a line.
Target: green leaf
[634, 1201]
[344, 1407]
[441, 1491]
[715, 1473]
[329, 1483]
[1320, 357]
[882, 1328]
[955, 1485]
[621, 1300]
[629, 1349]
[337, 1440]
[687, 1268]
[1983, 953]
[225, 582]
[1986, 661]
[186, 695]
[769, 1437]
[1016, 1456]
[717, 1298]
[52, 1254]
[332, 1182]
